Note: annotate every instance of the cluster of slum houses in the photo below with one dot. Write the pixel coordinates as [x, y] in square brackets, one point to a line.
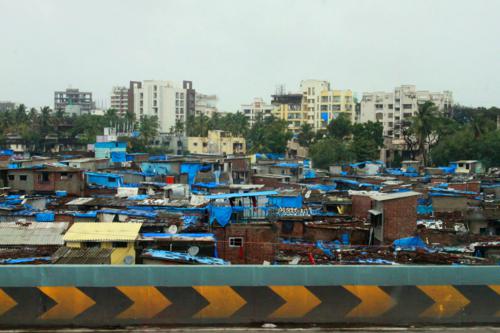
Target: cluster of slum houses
[113, 207]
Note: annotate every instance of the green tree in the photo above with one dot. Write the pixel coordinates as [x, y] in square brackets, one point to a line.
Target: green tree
[341, 127]
[148, 128]
[268, 135]
[330, 151]
[306, 135]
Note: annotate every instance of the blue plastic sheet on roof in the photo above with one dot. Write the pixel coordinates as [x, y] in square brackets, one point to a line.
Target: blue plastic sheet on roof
[158, 158]
[324, 116]
[409, 243]
[191, 169]
[322, 187]
[136, 134]
[13, 196]
[139, 213]
[45, 217]
[286, 202]
[221, 214]
[6, 152]
[61, 194]
[309, 173]
[178, 236]
[183, 257]
[451, 191]
[23, 260]
[275, 156]
[90, 214]
[118, 156]
[24, 212]
[110, 180]
[449, 169]
[287, 165]
[207, 185]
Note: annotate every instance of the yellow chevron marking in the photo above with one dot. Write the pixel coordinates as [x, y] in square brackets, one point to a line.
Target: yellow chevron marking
[448, 301]
[299, 301]
[148, 302]
[496, 288]
[6, 302]
[374, 301]
[223, 301]
[70, 301]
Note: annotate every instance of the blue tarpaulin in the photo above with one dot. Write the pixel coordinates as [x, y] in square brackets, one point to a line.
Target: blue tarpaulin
[240, 195]
[286, 201]
[6, 152]
[287, 165]
[324, 116]
[109, 180]
[45, 217]
[61, 193]
[221, 214]
[118, 156]
[183, 257]
[322, 187]
[409, 243]
[191, 169]
[424, 209]
[309, 173]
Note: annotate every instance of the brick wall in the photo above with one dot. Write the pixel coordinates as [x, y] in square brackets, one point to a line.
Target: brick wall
[470, 186]
[356, 236]
[360, 206]
[400, 218]
[259, 243]
[297, 230]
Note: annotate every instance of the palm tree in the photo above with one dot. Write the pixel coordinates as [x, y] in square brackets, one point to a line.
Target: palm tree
[423, 126]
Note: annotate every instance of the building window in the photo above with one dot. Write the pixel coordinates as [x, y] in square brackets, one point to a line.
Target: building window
[111, 179]
[195, 144]
[119, 244]
[11, 177]
[407, 106]
[235, 241]
[44, 177]
[23, 177]
[90, 244]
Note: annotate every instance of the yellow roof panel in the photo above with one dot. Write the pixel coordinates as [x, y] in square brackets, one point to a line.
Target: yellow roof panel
[102, 232]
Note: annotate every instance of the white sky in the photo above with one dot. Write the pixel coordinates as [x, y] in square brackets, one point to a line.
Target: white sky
[243, 49]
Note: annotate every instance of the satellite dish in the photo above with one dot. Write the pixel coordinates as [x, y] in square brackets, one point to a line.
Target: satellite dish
[172, 229]
[193, 250]
[128, 260]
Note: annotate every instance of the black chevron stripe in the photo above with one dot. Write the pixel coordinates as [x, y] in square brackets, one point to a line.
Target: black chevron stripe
[31, 304]
[336, 302]
[186, 302]
[109, 303]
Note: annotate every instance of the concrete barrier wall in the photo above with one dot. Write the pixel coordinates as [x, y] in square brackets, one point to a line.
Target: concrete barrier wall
[128, 295]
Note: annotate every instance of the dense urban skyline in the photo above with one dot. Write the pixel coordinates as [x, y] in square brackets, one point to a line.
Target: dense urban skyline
[244, 50]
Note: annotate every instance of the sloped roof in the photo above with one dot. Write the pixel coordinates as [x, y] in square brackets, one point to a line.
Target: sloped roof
[50, 233]
[102, 232]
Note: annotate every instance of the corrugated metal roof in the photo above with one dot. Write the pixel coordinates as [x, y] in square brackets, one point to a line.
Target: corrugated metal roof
[89, 256]
[390, 196]
[51, 233]
[102, 232]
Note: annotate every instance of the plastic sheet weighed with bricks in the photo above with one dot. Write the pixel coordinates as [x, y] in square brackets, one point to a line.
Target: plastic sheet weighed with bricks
[63, 295]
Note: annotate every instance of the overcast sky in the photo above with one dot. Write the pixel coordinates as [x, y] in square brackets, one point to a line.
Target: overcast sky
[243, 49]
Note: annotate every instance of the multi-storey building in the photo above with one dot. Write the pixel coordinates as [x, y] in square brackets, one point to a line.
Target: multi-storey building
[217, 142]
[392, 109]
[255, 110]
[119, 100]
[205, 105]
[167, 100]
[5, 106]
[316, 104]
[73, 101]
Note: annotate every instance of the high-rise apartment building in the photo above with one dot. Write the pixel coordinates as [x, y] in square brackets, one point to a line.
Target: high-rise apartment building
[316, 104]
[392, 109]
[255, 110]
[73, 101]
[167, 100]
[205, 104]
[119, 100]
